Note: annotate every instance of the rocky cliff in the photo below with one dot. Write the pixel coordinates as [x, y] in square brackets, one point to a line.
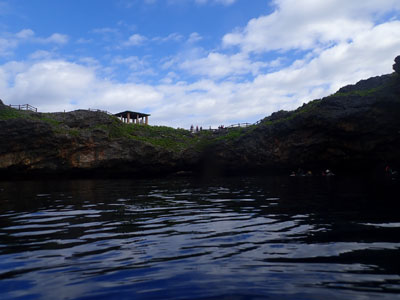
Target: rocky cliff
[76, 143]
[356, 129]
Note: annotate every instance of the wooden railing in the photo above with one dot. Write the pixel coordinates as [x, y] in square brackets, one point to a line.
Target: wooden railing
[24, 107]
[240, 125]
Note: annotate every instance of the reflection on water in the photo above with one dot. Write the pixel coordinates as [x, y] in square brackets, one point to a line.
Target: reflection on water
[232, 238]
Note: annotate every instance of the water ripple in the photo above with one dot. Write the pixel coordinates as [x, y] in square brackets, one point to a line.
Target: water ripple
[173, 239]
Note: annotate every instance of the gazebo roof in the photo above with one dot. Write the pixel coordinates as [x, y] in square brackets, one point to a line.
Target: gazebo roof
[132, 114]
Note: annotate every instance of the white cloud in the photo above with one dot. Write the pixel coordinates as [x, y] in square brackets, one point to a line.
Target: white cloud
[25, 33]
[341, 43]
[200, 2]
[217, 65]
[49, 83]
[139, 67]
[369, 54]
[6, 46]
[56, 38]
[176, 37]
[135, 40]
[134, 62]
[138, 39]
[105, 30]
[84, 41]
[29, 35]
[41, 54]
[223, 2]
[55, 85]
[9, 42]
[306, 24]
[194, 37]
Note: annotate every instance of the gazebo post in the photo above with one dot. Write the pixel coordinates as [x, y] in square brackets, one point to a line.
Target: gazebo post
[133, 117]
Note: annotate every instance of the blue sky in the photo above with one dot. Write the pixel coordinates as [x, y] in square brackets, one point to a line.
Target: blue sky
[201, 62]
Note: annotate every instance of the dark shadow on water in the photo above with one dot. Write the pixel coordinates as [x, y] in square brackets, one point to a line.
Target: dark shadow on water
[191, 238]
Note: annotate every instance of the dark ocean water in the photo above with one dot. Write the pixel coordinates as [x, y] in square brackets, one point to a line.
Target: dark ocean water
[227, 238]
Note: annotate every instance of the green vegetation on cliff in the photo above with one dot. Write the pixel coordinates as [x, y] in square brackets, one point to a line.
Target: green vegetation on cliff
[7, 113]
[355, 128]
[85, 124]
[160, 136]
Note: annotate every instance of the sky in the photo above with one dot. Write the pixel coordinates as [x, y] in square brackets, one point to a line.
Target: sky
[200, 62]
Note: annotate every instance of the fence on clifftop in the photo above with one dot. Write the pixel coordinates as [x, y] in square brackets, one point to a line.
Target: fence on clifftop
[243, 124]
[24, 107]
[222, 128]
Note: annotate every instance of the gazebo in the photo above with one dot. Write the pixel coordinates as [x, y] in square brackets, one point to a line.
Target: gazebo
[133, 117]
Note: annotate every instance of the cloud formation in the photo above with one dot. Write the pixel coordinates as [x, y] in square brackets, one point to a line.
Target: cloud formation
[217, 65]
[135, 40]
[309, 24]
[10, 41]
[247, 76]
[223, 2]
[130, 3]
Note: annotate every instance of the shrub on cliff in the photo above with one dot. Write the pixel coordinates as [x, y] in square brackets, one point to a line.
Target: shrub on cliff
[396, 66]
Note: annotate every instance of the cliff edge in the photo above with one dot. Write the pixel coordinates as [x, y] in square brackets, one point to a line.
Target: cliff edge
[357, 129]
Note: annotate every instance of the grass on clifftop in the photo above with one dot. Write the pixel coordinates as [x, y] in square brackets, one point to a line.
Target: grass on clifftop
[315, 105]
[170, 138]
[388, 85]
[160, 136]
[7, 113]
[308, 108]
